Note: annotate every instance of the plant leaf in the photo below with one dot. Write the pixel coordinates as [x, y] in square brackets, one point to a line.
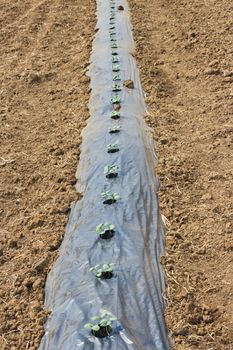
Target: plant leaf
[88, 326]
[113, 318]
[103, 321]
[94, 318]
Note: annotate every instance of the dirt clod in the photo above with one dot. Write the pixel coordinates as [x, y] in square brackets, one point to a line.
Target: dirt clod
[129, 84]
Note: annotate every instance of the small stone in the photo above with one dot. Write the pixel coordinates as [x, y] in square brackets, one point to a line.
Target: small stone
[213, 63]
[181, 331]
[34, 78]
[215, 176]
[27, 283]
[201, 331]
[37, 284]
[228, 80]
[163, 141]
[192, 34]
[37, 222]
[120, 8]
[229, 227]
[117, 106]
[227, 73]
[178, 236]
[212, 71]
[35, 305]
[129, 84]
[59, 152]
[42, 264]
[207, 196]
[13, 244]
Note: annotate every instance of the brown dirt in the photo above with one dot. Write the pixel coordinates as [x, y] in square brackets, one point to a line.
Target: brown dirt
[184, 52]
[44, 49]
[185, 56]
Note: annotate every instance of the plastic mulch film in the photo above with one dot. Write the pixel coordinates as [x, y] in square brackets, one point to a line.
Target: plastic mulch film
[116, 141]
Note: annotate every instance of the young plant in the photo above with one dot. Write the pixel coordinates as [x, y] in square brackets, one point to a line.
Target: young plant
[115, 59]
[113, 148]
[114, 45]
[114, 53]
[111, 171]
[115, 129]
[116, 87]
[105, 231]
[110, 198]
[105, 271]
[116, 77]
[115, 67]
[115, 115]
[116, 99]
[101, 325]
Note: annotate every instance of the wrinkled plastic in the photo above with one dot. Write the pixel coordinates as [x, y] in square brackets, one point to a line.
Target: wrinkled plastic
[135, 293]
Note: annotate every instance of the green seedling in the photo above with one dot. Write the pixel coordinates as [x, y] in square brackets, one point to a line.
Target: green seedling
[102, 228]
[116, 77]
[112, 148]
[115, 115]
[116, 87]
[101, 325]
[110, 198]
[116, 67]
[104, 271]
[111, 171]
[112, 28]
[116, 99]
[114, 53]
[114, 45]
[105, 231]
[115, 59]
[114, 129]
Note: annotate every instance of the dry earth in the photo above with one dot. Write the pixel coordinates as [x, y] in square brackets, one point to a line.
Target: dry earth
[44, 49]
[185, 55]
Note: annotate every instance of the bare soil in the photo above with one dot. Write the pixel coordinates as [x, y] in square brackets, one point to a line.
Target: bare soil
[185, 56]
[184, 52]
[45, 49]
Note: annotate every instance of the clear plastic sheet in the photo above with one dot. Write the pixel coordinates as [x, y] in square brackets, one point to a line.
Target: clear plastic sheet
[135, 293]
